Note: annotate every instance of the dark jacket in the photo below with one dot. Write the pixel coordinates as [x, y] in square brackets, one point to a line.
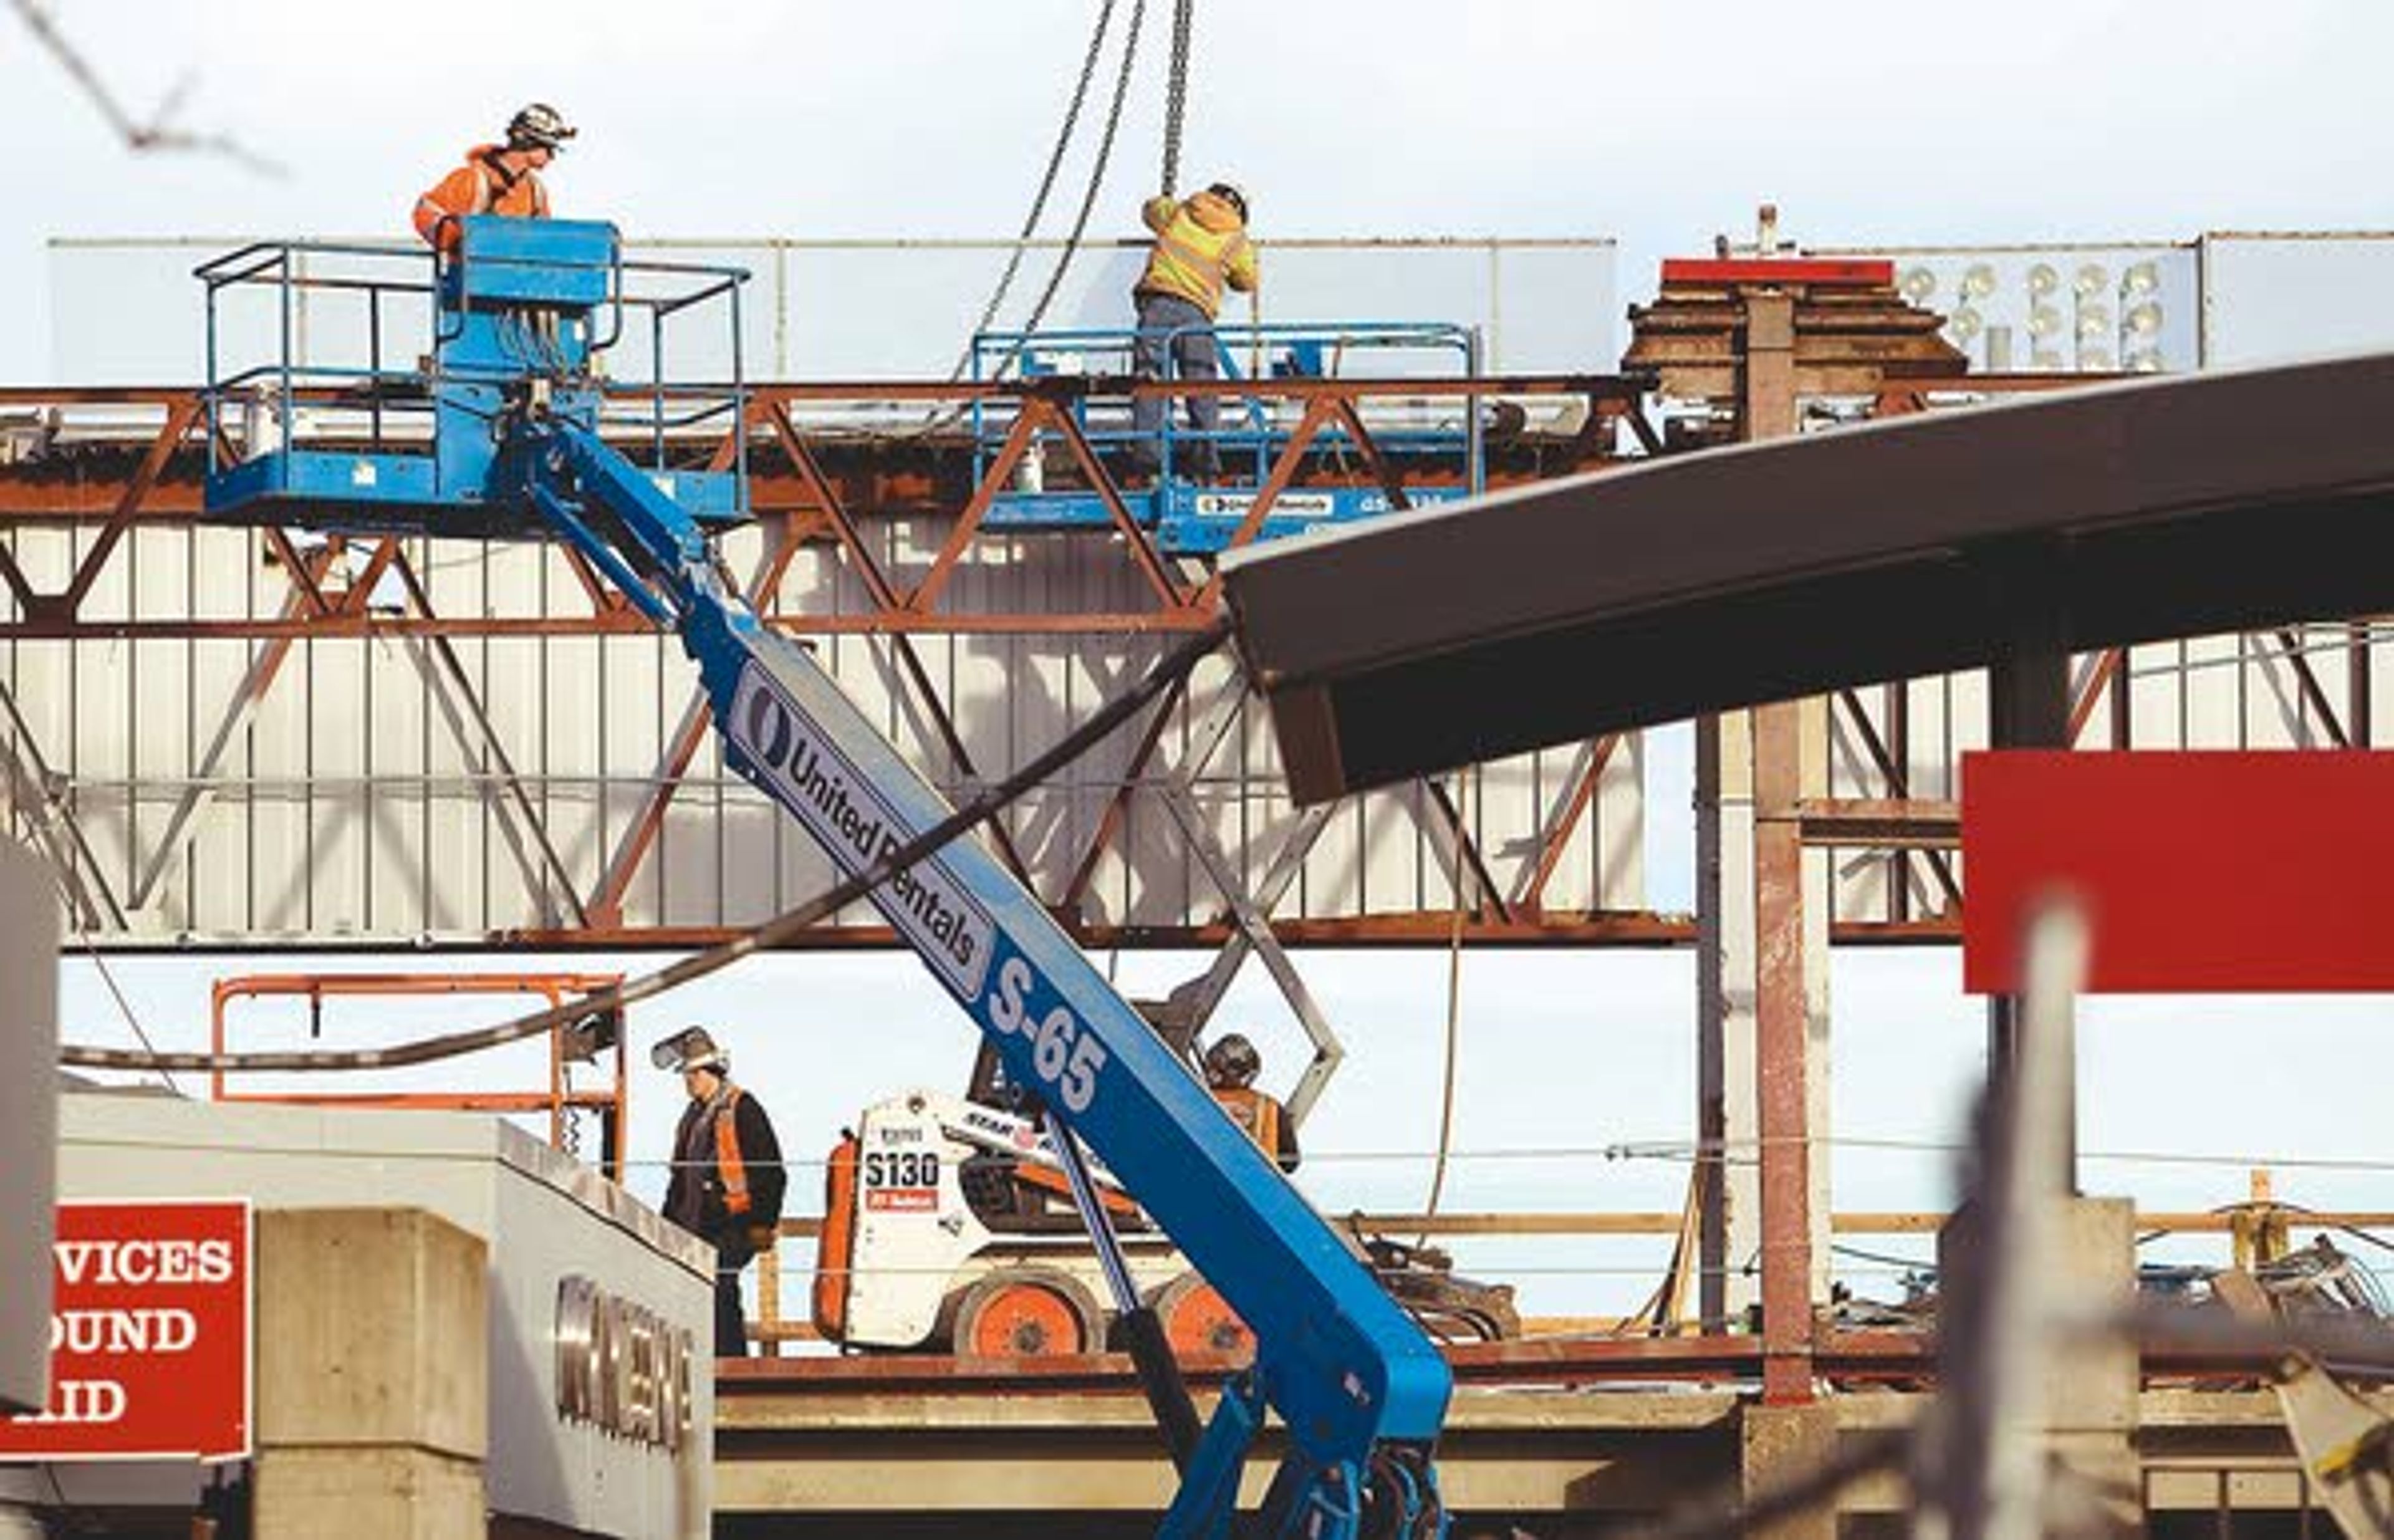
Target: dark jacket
[696, 1197]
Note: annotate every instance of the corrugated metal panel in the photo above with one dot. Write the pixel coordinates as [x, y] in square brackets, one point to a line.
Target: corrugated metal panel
[2251, 692]
[358, 799]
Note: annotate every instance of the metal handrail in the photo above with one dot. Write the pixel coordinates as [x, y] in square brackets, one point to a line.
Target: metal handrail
[1027, 348]
[404, 269]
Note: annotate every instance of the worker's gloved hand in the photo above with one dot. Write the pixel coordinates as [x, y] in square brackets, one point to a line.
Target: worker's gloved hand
[761, 1237]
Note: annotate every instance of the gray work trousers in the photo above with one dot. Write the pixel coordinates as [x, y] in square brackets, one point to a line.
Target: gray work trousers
[1192, 357]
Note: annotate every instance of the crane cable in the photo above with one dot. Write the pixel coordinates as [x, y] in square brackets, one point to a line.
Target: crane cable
[1173, 667]
[1463, 872]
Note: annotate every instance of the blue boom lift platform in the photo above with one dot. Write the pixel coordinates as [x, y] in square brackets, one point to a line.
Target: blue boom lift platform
[496, 433]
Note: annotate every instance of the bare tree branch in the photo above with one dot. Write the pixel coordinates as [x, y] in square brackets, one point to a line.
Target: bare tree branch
[159, 131]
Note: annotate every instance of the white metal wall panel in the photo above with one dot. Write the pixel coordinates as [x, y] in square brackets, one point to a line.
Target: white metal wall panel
[1863, 880]
[127, 311]
[2273, 296]
[2206, 692]
[356, 800]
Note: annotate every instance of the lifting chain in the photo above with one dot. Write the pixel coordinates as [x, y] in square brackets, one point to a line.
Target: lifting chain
[1046, 183]
[1088, 196]
[1176, 92]
[568, 1122]
[1097, 169]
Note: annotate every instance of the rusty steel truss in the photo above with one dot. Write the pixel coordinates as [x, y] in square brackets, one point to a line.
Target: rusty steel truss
[837, 468]
[892, 515]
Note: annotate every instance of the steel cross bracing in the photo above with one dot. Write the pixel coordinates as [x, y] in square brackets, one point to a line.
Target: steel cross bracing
[112, 594]
[214, 812]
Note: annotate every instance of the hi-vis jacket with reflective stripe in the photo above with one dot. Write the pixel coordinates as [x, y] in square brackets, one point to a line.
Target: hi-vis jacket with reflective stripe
[1200, 246]
[1264, 1119]
[727, 1172]
[480, 186]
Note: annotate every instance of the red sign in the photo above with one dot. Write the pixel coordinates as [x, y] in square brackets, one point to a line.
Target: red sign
[149, 1336]
[2199, 871]
[1818, 271]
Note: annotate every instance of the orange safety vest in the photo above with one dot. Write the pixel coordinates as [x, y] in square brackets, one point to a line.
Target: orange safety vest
[1200, 246]
[477, 187]
[729, 1168]
[1255, 1112]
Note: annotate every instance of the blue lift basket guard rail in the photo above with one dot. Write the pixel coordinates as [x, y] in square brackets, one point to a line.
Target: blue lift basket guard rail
[413, 414]
[1207, 481]
[1360, 1389]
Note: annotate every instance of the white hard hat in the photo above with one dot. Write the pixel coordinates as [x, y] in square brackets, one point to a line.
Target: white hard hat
[690, 1048]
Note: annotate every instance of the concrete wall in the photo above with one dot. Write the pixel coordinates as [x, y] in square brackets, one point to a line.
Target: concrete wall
[534, 1215]
[29, 997]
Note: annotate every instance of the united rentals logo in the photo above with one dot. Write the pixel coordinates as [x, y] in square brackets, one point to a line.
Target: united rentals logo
[806, 774]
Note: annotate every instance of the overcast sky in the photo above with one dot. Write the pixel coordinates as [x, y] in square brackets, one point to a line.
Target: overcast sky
[1868, 123]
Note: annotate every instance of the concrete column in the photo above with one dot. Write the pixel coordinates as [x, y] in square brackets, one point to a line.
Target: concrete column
[1791, 1050]
[1731, 1236]
[373, 1375]
[2089, 1399]
[1778, 1447]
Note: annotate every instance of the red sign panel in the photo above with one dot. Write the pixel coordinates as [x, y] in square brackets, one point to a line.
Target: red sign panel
[2200, 871]
[149, 1336]
[1852, 271]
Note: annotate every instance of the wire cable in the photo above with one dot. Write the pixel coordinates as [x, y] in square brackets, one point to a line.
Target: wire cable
[108, 975]
[1463, 871]
[123, 1006]
[1172, 668]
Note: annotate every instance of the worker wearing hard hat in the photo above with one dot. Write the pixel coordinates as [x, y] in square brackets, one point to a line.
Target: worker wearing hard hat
[497, 178]
[1201, 247]
[728, 1179]
[1231, 1065]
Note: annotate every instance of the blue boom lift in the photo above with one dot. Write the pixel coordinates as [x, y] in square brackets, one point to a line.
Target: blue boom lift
[515, 450]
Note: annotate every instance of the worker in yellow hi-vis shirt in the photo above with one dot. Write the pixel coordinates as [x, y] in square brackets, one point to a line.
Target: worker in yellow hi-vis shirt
[1201, 247]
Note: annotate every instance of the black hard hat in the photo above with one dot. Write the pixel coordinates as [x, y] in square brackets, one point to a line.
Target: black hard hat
[690, 1048]
[539, 126]
[1232, 1062]
[1228, 192]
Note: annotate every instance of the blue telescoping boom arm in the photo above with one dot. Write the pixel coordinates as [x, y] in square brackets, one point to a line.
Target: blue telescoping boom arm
[1360, 1389]
[515, 403]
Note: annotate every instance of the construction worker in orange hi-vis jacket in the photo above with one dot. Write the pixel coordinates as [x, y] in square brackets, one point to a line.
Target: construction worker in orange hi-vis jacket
[497, 178]
[1231, 1065]
[1201, 248]
[727, 1179]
